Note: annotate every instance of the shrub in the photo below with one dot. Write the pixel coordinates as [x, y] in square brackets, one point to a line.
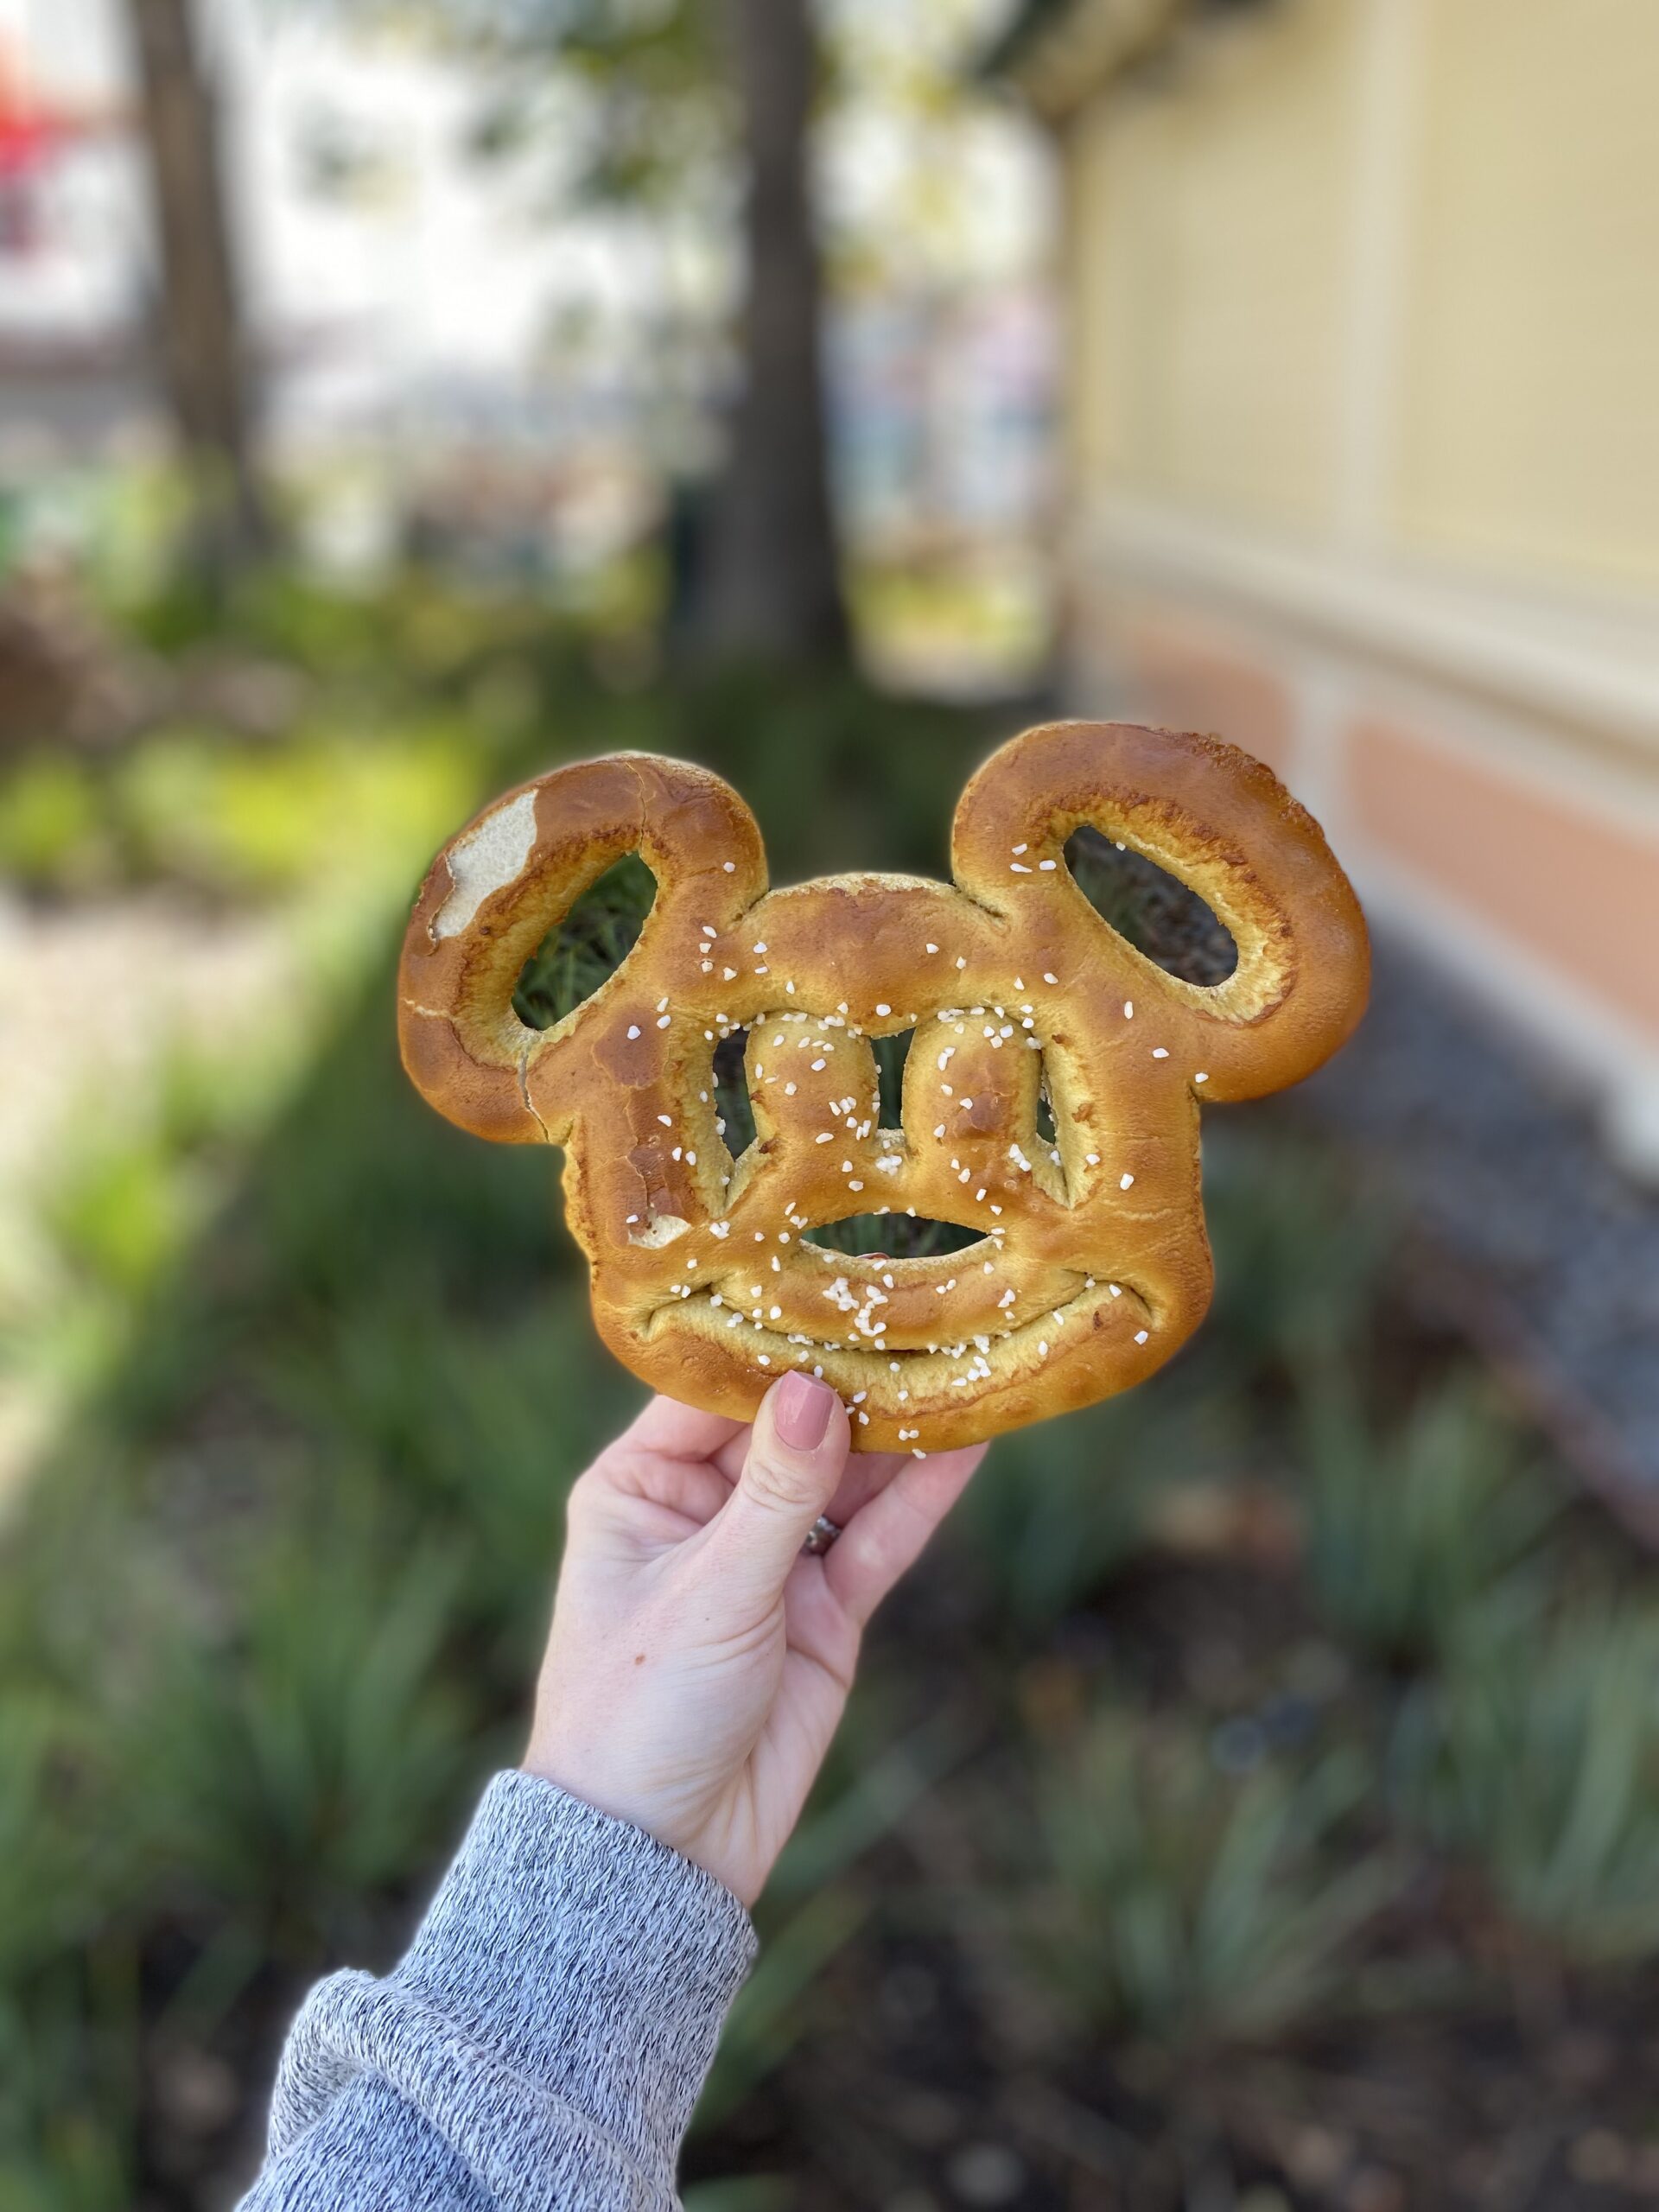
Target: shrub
[814, 1903]
[53, 831]
[1538, 1755]
[68, 1984]
[1409, 1528]
[1166, 1899]
[293, 1768]
[471, 1431]
[1058, 1510]
[1300, 1259]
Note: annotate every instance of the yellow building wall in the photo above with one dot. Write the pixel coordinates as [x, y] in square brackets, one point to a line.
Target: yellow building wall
[1215, 240]
[1529, 379]
[1364, 408]
[1112, 353]
[1209, 236]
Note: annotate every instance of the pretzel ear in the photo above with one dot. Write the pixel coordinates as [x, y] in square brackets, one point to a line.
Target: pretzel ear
[512, 874]
[1226, 827]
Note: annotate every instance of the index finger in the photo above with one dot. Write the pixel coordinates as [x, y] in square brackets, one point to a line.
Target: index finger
[866, 1474]
[682, 1432]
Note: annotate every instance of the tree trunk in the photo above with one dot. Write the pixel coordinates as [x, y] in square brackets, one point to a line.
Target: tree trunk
[198, 326]
[774, 585]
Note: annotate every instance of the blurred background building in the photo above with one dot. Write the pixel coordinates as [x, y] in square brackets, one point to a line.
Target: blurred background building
[1363, 454]
[450, 330]
[1252, 1805]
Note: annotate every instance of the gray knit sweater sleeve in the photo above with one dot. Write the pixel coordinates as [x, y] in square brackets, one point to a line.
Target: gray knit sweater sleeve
[542, 2043]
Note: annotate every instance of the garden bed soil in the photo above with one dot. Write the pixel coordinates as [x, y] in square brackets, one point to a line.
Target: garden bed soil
[1466, 2078]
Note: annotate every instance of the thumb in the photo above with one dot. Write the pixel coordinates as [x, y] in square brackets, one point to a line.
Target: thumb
[798, 1449]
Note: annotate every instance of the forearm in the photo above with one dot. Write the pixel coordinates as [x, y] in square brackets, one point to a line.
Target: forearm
[542, 2042]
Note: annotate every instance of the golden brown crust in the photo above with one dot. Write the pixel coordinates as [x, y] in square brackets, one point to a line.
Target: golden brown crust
[1093, 1266]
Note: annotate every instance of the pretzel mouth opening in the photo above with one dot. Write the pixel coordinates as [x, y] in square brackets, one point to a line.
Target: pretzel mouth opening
[932, 1372]
[897, 1236]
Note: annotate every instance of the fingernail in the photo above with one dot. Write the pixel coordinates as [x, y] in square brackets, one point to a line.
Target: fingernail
[800, 1412]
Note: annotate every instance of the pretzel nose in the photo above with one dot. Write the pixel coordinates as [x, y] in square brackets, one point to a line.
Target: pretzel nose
[971, 1076]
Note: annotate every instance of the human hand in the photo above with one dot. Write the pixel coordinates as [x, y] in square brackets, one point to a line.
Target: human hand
[699, 1661]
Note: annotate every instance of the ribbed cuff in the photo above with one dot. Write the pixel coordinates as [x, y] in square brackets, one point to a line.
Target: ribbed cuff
[586, 1956]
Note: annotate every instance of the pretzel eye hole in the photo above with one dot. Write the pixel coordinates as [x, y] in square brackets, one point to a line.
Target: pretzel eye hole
[891, 1053]
[1152, 910]
[587, 946]
[734, 1110]
[1046, 1130]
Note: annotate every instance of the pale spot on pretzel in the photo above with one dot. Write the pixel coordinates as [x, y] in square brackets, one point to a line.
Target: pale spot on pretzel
[663, 1230]
[485, 860]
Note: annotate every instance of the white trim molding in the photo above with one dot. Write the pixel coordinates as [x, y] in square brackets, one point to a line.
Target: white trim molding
[1595, 669]
[1517, 685]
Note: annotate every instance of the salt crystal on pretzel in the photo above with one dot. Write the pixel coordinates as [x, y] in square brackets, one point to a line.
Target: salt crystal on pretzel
[1095, 1267]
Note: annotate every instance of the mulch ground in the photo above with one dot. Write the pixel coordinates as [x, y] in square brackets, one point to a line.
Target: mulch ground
[1462, 2079]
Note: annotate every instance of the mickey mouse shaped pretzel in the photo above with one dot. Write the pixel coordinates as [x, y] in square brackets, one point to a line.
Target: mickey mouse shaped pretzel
[1090, 1265]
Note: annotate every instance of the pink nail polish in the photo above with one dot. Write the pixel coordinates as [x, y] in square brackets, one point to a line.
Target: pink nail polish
[800, 1412]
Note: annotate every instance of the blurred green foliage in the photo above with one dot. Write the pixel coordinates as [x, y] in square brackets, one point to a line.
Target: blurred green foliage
[752, 2193]
[53, 830]
[288, 1754]
[1160, 1897]
[271, 1610]
[819, 1898]
[1300, 1253]
[234, 818]
[1058, 1510]
[244, 820]
[1536, 1755]
[1412, 1526]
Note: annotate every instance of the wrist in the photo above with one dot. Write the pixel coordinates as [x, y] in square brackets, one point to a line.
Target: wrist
[677, 1827]
[586, 1956]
